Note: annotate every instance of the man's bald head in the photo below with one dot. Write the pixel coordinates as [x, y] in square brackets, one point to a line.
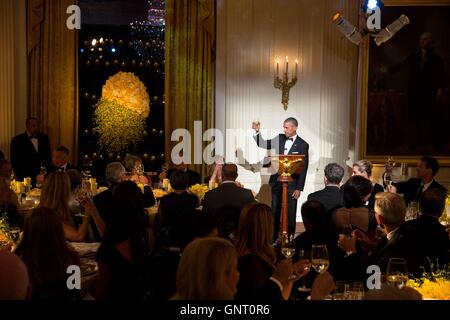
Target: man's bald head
[13, 277]
[229, 172]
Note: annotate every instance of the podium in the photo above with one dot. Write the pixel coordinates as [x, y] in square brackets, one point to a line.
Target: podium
[286, 165]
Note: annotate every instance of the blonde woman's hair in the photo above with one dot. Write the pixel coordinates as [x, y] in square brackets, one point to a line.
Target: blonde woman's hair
[391, 206]
[256, 231]
[364, 166]
[203, 270]
[56, 194]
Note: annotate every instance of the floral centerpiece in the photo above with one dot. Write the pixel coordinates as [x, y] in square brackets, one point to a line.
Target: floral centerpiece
[445, 218]
[199, 190]
[434, 285]
[8, 235]
[120, 114]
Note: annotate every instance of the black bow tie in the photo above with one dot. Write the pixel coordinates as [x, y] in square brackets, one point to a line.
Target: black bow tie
[292, 139]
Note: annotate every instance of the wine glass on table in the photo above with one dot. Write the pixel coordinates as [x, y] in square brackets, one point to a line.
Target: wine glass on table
[320, 260]
[42, 174]
[305, 258]
[288, 249]
[397, 272]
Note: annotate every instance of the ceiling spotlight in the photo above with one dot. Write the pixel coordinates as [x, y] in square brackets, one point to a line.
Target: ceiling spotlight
[372, 13]
[101, 40]
[113, 50]
[94, 42]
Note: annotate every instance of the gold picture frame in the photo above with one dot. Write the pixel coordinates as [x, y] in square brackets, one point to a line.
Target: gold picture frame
[363, 77]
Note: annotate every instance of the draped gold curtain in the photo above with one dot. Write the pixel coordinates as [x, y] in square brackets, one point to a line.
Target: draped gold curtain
[52, 56]
[189, 69]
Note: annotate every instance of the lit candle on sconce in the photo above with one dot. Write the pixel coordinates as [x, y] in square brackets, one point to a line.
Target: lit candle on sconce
[278, 70]
[296, 67]
[287, 65]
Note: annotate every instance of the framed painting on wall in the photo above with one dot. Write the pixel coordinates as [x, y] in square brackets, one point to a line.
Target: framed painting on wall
[405, 97]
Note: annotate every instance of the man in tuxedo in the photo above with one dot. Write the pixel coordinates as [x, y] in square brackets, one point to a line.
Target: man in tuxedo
[288, 143]
[331, 197]
[30, 151]
[414, 187]
[228, 194]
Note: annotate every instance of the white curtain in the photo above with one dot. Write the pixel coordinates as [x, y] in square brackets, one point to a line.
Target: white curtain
[251, 36]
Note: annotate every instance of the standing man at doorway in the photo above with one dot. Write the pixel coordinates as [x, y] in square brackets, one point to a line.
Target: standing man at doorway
[288, 143]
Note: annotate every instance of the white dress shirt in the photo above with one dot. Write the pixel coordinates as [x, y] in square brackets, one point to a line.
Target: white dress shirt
[288, 144]
[34, 141]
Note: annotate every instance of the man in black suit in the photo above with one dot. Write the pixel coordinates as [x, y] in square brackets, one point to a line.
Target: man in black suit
[331, 197]
[288, 143]
[115, 174]
[228, 194]
[414, 187]
[429, 240]
[60, 157]
[30, 151]
[390, 210]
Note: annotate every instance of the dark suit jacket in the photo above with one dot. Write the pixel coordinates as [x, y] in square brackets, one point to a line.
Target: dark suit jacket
[24, 158]
[410, 188]
[53, 168]
[194, 177]
[227, 194]
[103, 201]
[330, 197]
[299, 147]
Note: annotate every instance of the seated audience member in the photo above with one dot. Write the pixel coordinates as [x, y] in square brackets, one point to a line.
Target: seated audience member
[364, 168]
[115, 173]
[9, 204]
[76, 208]
[5, 169]
[331, 197]
[14, 282]
[56, 195]
[60, 158]
[134, 164]
[414, 187]
[390, 212]
[356, 191]
[164, 263]
[429, 240]
[174, 205]
[261, 277]
[180, 165]
[125, 245]
[47, 255]
[317, 229]
[207, 271]
[228, 194]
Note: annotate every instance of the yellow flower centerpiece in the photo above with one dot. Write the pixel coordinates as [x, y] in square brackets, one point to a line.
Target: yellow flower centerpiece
[433, 286]
[121, 112]
[8, 235]
[199, 190]
[445, 218]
